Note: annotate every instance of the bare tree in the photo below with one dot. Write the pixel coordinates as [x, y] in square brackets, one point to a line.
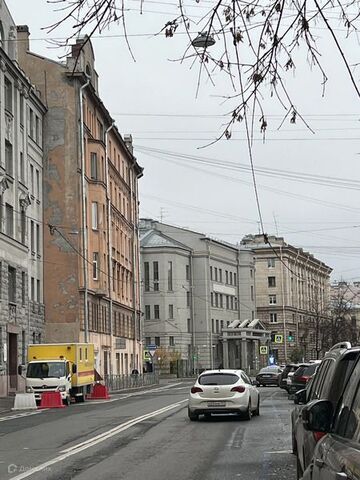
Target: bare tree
[329, 322]
[257, 44]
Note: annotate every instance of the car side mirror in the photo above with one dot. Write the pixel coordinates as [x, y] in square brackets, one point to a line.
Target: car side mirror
[20, 369]
[317, 416]
[300, 397]
[73, 368]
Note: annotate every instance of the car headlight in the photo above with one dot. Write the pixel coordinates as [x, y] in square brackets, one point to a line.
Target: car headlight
[62, 388]
[29, 390]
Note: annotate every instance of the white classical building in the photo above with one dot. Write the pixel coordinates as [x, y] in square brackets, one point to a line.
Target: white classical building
[21, 210]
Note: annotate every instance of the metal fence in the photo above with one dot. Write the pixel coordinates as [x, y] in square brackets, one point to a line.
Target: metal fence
[124, 382]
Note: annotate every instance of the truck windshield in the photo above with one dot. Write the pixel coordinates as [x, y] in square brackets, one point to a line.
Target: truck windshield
[46, 370]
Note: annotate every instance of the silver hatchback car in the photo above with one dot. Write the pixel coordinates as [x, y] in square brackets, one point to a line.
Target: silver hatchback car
[223, 391]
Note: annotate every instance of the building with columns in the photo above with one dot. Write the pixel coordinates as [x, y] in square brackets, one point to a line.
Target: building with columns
[91, 205]
[292, 289]
[193, 288]
[21, 210]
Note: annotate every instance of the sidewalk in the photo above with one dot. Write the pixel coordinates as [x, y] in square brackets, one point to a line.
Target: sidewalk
[6, 404]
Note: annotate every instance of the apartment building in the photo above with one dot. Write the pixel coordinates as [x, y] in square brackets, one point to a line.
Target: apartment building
[91, 203]
[292, 288]
[21, 210]
[193, 287]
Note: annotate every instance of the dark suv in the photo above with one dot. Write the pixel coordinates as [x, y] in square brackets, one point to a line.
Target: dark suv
[300, 378]
[290, 367]
[327, 384]
[337, 455]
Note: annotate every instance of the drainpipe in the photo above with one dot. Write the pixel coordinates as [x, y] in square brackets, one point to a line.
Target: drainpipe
[109, 233]
[192, 314]
[83, 213]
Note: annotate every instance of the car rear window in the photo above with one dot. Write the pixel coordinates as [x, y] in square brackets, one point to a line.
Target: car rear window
[270, 370]
[218, 379]
[306, 370]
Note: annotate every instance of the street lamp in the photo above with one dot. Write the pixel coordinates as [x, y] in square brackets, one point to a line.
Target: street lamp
[203, 40]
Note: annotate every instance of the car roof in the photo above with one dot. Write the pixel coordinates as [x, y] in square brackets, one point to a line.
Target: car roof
[221, 370]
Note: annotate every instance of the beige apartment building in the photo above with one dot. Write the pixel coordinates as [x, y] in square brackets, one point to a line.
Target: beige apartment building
[91, 269]
[292, 289]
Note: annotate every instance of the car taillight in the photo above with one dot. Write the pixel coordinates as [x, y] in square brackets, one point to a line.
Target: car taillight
[196, 390]
[239, 389]
[303, 378]
[318, 435]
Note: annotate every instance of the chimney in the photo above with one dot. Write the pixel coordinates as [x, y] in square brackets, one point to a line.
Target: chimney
[23, 34]
[129, 143]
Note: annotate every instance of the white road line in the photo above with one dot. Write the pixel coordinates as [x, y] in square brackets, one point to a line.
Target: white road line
[95, 440]
[20, 415]
[278, 451]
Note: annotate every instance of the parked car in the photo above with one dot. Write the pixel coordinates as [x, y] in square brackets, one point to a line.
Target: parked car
[301, 376]
[223, 391]
[337, 454]
[327, 383]
[289, 368]
[268, 375]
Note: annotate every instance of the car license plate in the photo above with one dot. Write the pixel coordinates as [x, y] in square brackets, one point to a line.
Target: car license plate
[216, 404]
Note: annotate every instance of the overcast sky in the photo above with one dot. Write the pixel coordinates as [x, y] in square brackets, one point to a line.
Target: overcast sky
[155, 100]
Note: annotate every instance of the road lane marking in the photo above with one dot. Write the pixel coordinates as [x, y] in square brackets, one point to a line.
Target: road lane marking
[20, 415]
[97, 439]
[278, 451]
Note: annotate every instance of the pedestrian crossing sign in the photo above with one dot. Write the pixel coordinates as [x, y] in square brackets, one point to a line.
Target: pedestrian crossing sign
[263, 350]
[278, 339]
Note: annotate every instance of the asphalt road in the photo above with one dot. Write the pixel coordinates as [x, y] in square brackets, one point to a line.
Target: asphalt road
[148, 436]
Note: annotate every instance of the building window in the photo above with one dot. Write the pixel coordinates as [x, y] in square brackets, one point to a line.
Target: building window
[220, 300]
[271, 262]
[170, 277]
[189, 325]
[188, 299]
[217, 326]
[94, 170]
[251, 273]
[38, 184]
[252, 292]
[8, 95]
[9, 220]
[147, 341]
[147, 276]
[220, 275]
[95, 265]
[38, 291]
[187, 273]
[231, 278]
[221, 325]
[94, 215]
[271, 282]
[235, 279]
[211, 273]
[12, 284]
[273, 317]
[226, 277]
[38, 239]
[32, 241]
[32, 288]
[212, 325]
[8, 158]
[147, 312]
[31, 124]
[22, 226]
[37, 130]
[156, 312]
[23, 288]
[212, 299]
[216, 299]
[272, 299]
[232, 303]
[171, 341]
[157, 341]
[227, 302]
[21, 109]
[216, 274]
[156, 276]
[22, 167]
[171, 312]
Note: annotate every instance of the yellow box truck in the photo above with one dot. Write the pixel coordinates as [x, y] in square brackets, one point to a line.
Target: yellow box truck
[64, 367]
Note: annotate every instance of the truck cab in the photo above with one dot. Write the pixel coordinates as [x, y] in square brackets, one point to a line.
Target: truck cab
[49, 376]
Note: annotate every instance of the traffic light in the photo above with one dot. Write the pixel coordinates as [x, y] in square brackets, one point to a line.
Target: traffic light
[291, 337]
